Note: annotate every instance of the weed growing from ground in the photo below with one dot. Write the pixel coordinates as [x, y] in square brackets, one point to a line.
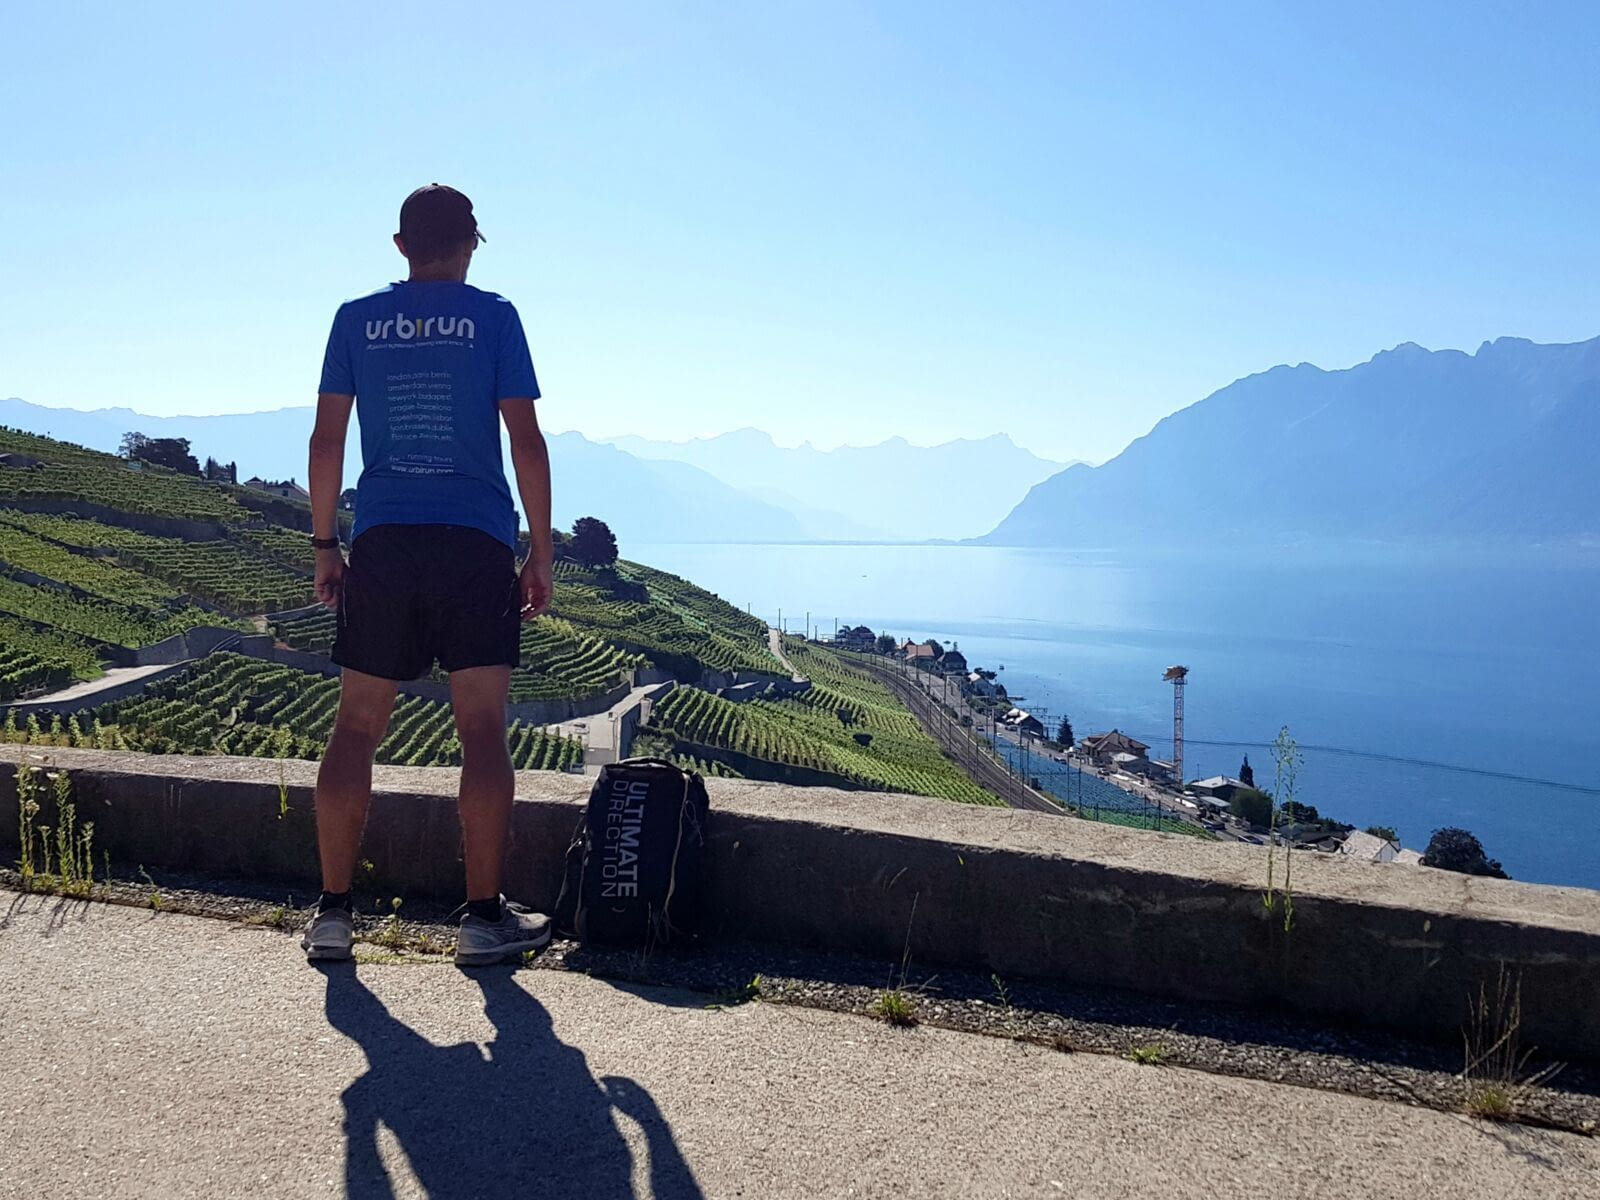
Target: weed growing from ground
[157, 900]
[27, 812]
[897, 1004]
[391, 935]
[1146, 1054]
[897, 1007]
[1286, 754]
[65, 862]
[1001, 994]
[1496, 1066]
[273, 918]
[283, 793]
[734, 997]
[426, 943]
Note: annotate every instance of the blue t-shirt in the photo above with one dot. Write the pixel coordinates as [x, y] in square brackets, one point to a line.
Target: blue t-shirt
[428, 364]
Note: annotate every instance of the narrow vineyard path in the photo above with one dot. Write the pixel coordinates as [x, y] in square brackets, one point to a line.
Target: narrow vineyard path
[775, 644]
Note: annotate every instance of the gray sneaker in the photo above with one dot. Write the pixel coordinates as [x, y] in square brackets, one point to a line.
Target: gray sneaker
[482, 943]
[328, 935]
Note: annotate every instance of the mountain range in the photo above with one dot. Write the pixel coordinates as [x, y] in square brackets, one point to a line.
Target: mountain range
[645, 492]
[894, 489]
[1412, 444]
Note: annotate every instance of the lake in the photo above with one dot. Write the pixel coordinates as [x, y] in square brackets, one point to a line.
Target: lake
[1424, 692]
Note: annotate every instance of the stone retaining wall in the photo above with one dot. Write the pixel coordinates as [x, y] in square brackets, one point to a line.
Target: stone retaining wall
[1016, 893]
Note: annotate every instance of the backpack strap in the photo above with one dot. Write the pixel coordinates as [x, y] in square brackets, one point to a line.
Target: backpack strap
[677, 848]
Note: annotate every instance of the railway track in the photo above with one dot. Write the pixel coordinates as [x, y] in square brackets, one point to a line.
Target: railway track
[983, 768]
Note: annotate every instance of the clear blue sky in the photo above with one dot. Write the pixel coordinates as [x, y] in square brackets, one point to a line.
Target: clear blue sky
[834, 221]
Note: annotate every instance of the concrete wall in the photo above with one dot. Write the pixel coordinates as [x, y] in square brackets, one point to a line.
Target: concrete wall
[744, 683]
[191, 643]
[1018, 893]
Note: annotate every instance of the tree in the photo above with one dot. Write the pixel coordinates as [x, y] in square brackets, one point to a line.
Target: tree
[593, 542]
[1252, 806]
[937, 648]
[1300, 814]
[163, 452]
[1386, 832]
[886, 644]
[1064, 734]
[217, 472]
[1453, 849]
[1246, 775]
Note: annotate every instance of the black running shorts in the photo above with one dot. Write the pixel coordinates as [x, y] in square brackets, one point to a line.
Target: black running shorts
[415, 593]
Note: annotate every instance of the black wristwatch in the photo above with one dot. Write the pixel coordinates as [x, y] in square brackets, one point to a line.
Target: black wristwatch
[324, 543]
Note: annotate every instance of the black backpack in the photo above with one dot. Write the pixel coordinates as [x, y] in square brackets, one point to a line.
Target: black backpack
[633, 868]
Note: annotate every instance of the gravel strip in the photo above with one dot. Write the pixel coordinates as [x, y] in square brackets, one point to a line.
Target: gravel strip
[1229, 1041]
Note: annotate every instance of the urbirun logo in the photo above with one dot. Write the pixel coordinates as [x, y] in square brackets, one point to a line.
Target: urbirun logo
[408, 328]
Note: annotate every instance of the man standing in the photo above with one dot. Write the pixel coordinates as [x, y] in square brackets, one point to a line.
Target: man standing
[433, 366]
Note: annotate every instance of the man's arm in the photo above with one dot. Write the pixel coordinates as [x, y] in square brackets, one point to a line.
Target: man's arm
[531, 460]
[325, 477]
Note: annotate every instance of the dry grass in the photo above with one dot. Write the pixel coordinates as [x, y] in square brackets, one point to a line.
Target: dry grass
[1497, 1068]
[897, 1007]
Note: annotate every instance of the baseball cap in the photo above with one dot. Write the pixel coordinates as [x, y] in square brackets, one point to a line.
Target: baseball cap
[438, 215]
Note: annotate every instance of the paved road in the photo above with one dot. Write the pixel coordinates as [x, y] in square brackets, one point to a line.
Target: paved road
[154, 1055]
[599, 732]
[86, 690]
[775, 644]
[984, 769]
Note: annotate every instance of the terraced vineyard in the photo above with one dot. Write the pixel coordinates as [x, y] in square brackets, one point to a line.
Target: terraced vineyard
[603, 627]
[150, 491]
[94, 576]
[231, 704]
[23, 671]
[559, 660]
[893, 757]
[562, 661]
[86, 562]
[70, 473]
[677, 626]
[227, 575]
[314, 631]
[239, 578]
[98, 620]
[286, 546]
[79, 655]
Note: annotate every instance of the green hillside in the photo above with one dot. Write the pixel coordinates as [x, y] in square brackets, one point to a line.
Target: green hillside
[231, 704]
[98, 553]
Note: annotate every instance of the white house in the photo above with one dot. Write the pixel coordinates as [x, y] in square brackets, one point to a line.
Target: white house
[978, 685]
[1369, 847]
[287, 488]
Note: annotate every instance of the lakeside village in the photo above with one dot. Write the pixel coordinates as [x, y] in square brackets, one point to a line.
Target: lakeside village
[1067, 766]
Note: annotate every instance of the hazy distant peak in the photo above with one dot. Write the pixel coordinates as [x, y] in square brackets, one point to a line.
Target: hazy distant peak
[1504, 345]
[1412, 443]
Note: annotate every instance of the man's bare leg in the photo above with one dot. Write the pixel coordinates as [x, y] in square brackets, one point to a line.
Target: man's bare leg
[478, 696]
[344, 781]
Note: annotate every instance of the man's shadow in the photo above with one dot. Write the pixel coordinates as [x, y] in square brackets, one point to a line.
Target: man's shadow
[521, 1117]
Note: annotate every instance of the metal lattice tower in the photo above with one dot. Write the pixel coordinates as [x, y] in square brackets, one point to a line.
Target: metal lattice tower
[1177, 676]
